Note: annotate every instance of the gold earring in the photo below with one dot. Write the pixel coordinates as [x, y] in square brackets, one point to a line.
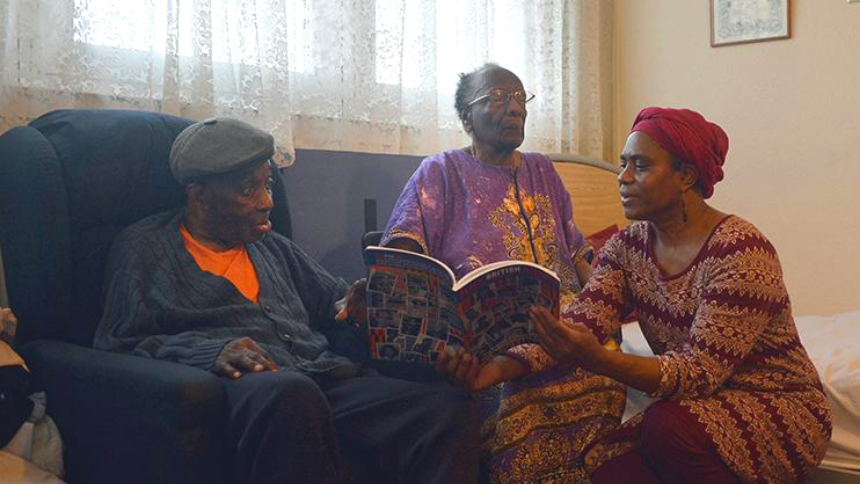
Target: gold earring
[683, 207]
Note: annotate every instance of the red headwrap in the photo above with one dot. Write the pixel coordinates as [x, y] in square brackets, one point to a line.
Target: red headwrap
[689, 137]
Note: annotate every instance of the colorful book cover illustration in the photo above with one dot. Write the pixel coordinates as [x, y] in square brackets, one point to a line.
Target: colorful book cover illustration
[416, 307]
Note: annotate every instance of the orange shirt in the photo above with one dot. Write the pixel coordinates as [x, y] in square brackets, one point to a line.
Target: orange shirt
[234, 265]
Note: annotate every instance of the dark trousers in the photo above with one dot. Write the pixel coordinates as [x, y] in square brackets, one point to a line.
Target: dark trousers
[674, 450]
[291, 428]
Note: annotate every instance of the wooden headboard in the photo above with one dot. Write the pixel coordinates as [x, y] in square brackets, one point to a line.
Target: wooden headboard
[593, 188]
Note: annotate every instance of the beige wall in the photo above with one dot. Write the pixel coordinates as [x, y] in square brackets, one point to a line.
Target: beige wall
[792, 112]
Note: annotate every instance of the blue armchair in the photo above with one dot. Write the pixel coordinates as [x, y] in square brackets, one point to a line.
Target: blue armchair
[69, 182]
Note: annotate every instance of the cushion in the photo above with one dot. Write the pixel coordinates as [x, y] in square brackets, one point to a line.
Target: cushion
[101, 189]
[598, 239]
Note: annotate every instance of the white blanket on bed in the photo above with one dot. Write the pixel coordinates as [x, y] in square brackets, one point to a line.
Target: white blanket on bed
[834, 347]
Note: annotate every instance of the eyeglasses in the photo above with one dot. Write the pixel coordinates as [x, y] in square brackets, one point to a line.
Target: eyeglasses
[501, 96]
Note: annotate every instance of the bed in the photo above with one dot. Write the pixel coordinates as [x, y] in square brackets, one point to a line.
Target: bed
[829, 340]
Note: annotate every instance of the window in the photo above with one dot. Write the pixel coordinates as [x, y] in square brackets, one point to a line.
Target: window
[362, 75]
[143, 26]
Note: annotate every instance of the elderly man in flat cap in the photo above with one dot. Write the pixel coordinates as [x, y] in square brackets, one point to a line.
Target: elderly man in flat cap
[212, 287]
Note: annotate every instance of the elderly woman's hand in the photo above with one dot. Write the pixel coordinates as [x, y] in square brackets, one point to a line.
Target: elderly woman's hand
[567, 343]
[467, 370]
[8, 325]
[352, 307]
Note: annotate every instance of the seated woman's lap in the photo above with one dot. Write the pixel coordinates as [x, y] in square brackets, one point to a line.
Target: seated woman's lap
[536, 428]
[673, 448]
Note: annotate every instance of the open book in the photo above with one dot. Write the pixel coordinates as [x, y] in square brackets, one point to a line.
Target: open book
[416, 307]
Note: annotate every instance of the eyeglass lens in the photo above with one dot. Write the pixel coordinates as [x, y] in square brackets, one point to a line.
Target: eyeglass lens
[502, 96]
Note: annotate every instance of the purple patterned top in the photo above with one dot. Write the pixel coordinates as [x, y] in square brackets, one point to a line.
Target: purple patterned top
[468, 213]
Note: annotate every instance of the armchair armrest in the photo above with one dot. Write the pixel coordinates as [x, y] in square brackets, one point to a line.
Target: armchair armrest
[131, 419]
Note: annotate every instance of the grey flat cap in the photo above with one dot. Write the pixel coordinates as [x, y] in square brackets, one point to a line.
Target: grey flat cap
[216, 146]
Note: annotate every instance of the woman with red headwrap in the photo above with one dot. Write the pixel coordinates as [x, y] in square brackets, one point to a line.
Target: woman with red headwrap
[739, 399]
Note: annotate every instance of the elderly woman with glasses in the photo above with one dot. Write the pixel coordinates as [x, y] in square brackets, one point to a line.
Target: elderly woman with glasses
[489, 202]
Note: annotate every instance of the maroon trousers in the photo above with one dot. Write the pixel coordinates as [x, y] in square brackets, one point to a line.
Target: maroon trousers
[674, 449]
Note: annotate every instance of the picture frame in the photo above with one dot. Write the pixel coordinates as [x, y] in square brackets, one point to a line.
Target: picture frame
[746, 21]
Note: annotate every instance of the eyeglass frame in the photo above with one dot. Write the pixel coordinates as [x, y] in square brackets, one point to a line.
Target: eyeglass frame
[528, 96]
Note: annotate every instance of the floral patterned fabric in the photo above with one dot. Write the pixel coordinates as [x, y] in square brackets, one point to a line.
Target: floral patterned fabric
[727, 347]
[468, 213]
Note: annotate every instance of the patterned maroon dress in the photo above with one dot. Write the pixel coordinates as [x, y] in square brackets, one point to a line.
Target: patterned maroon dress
[727, 346]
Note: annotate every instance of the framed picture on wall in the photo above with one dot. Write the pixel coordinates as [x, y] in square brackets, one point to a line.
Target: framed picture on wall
[745, 21]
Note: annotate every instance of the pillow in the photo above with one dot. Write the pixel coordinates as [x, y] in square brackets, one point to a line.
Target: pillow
[598, 239]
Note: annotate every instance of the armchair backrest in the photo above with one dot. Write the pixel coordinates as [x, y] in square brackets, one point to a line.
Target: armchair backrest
[70, 181]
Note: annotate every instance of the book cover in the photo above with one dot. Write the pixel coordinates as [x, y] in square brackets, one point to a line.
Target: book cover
[416, 307]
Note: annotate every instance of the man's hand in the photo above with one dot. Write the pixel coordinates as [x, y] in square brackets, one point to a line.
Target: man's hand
[242, 355]
[8, 325]
[568, 343]
[352, 307]
[466, 369]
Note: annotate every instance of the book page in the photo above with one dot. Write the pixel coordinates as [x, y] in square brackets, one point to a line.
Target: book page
[495, 306]
[398, 258]
[411, 309]
[480, 271]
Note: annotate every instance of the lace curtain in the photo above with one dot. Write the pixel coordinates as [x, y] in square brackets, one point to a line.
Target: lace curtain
[357, 75]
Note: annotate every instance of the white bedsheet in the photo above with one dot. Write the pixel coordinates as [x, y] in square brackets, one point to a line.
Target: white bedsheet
[834, 347]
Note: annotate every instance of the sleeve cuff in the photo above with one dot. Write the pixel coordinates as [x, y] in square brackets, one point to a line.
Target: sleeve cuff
[204, 353]
[668, 380]
[532, 356]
